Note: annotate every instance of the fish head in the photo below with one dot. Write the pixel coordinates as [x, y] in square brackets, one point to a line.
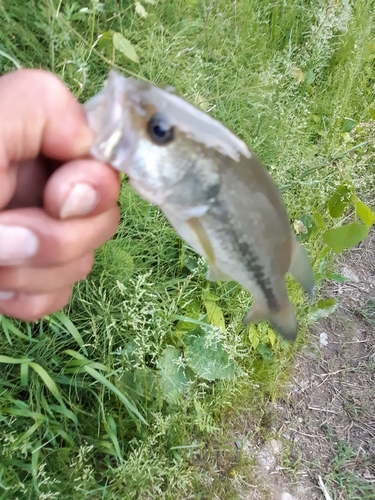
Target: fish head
[154, 136]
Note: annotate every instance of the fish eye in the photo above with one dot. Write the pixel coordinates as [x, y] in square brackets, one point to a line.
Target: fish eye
[160, 131]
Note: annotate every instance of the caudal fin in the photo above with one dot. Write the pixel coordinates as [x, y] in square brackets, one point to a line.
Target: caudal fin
[284, 321]
[301, 269]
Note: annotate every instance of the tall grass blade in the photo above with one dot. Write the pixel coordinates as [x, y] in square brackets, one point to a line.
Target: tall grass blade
[47, 380]
[70, 327]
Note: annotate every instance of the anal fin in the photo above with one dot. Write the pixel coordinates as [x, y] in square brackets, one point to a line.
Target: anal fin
[284, 320]
[196, 226]
[256, 314]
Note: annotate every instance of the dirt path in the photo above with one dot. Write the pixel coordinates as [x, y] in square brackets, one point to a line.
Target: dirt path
[324, 445]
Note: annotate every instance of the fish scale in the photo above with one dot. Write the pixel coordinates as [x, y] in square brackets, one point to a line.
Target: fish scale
[254, 269]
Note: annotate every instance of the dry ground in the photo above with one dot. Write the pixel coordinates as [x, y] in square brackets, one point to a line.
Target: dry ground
[324, 432]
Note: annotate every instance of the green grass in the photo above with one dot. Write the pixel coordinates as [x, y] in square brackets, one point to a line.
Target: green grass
[66, 432]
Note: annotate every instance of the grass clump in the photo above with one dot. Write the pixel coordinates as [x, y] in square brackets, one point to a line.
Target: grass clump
[143, 337]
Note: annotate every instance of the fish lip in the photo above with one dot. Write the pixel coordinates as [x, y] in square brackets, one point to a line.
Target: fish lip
[114, 146]
[108, 115]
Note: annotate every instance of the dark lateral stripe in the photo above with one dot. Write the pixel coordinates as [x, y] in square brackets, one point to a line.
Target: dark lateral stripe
[221, 212]
[252, 262]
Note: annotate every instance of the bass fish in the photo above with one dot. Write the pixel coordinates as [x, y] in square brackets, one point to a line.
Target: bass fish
[214, 191]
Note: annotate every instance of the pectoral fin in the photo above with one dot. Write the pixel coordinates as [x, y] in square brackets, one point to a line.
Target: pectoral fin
[203, 240]
[256, 314]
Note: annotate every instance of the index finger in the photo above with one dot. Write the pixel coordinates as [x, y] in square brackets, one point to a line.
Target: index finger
[40, 115]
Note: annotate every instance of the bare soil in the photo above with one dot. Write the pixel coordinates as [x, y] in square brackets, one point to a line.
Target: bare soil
[324, 439]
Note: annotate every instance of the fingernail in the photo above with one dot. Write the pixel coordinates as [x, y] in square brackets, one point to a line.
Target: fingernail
[16, 243]
[81, 199]
[6, 295]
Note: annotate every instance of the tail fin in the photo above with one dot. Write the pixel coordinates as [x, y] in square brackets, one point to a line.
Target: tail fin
[284, 321]
[301, 269]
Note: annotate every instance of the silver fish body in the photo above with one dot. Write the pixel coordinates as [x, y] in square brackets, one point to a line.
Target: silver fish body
[213, 190]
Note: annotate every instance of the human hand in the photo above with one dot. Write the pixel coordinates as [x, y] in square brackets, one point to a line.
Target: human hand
[56, 206]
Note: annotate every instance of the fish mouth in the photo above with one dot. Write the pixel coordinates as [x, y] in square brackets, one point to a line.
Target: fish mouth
[109, 116]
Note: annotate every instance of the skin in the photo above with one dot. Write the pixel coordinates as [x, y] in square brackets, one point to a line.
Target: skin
[44, 146]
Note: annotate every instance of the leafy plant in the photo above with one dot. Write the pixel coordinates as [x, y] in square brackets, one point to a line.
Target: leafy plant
[347, 235]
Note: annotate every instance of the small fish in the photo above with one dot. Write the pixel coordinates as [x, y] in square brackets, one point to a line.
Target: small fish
[214, 191]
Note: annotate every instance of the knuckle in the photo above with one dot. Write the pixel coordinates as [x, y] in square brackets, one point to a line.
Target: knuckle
[11, 278]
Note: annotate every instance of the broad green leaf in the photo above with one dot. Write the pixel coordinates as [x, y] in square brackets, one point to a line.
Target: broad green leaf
[319, 219]
[322, 309]
[141, 384]
[364, 212]
[215, 314]
[104, 381]
[348, 125]
[105, 42]
[14, 361]
[210, 296]
[344, 237]
[264, 351]
[208, 360]
[124, 46]
[254, 336]
[146, 382]
[339, 200]
[372, 111]
[172, 375]
[151, 2]
[309, 76]
[105, 447]
[70, 327]
[192, 312]
[47, 380]
[140, 10]
[189, 260]
[272, 336]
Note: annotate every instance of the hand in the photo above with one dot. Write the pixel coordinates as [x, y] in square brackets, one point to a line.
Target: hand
[56, 206]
